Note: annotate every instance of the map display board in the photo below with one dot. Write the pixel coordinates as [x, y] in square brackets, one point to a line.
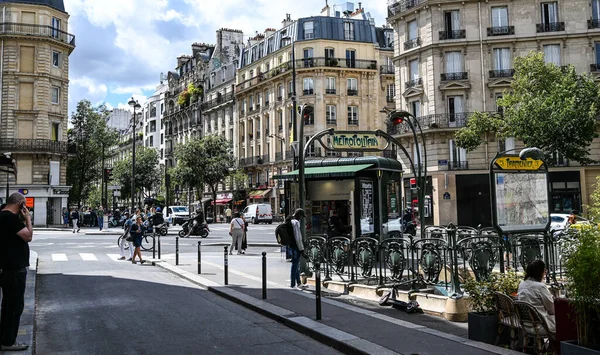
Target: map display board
[520, 195]
[366, 195]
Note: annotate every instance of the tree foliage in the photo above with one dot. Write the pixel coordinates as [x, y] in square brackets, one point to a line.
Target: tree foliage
[147, 172]
[478, 127]
[552, 108]
[92, 138]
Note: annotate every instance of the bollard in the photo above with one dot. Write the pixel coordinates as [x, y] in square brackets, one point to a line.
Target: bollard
[225, 265]
[318, 289]
[264, 275]
[199, 257]
[154, 247]
[176, 250]
[159, 247]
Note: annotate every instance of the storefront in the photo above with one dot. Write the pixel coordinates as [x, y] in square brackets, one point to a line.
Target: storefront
[362, 192]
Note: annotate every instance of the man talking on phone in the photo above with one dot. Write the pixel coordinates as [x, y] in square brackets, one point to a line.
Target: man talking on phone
[15, 235]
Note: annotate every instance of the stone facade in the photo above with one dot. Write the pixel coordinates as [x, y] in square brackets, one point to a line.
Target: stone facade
[455, 57]
[34, 104]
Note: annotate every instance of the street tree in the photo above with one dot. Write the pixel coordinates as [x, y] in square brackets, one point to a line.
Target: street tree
[147, 172]
[478, 130]
[91, 137]
[239, 178]
[548, 107]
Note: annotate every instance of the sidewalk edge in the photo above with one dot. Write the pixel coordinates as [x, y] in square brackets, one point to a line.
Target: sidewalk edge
[323, 333]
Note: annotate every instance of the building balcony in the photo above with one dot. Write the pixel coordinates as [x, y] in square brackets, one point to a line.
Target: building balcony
[401, 6]
[330, 91]
[502, 73]
[593, 23]
[221, 99]
[595, 68]
[550, 27]
[386, 69]
[412, 43]
[331, 121]
[389, 99]
[415, 82]
[336, 63]
[34, 146]
[279, 98]
[456, 34]
[500, 31]
[434, 121]
[458, 165]
[278, 156]
[280, 127]
[257, 108]
[308, 92]
[266, 104]
[454, 76]
[352, 92]
[352, 122]
[24, 29]
[290, 94]
[264, 159]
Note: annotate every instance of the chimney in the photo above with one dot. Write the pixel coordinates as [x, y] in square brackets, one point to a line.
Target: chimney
[360, 5]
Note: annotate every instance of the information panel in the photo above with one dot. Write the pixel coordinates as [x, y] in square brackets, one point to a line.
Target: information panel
[521, 201]
[366, 196]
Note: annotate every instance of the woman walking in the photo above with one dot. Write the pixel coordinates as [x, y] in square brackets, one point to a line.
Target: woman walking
[65, 213]
[236, 231]
[137, 232]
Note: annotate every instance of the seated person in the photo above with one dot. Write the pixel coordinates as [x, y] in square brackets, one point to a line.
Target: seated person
[535, 292]
[572, 218]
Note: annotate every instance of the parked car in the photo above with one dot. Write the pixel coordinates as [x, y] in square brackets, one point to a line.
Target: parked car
[258, 212]
[178, 214]
[558, 221]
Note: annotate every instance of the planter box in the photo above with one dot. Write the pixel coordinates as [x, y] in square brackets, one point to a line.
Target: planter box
[572, 348]
[484, 327]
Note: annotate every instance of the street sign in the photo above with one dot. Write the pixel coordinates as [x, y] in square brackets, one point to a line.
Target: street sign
[113, 187]
[516, 163]
[117, 193]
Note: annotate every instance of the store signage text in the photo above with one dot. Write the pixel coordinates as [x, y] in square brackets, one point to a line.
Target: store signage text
[60, 191]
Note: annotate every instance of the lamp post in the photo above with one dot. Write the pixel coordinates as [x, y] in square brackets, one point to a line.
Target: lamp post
[398, 117]
[297, 144]
[136, 106]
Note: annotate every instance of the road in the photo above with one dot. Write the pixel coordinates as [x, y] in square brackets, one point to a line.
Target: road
[88, 302]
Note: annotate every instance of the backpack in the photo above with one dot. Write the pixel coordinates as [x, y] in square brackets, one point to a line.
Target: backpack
[285, 233]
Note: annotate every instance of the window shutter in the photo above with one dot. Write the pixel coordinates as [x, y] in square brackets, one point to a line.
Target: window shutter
[25, 96]
[54, 173]
[27, 59]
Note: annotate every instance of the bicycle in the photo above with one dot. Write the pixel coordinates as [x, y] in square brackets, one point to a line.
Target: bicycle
[148, 242]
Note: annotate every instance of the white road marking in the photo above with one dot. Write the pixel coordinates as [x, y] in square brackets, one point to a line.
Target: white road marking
[88, 257]
[59, 257]
[114, 257]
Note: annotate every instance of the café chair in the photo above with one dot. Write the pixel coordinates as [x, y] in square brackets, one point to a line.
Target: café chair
[507, 318]
[534, 328]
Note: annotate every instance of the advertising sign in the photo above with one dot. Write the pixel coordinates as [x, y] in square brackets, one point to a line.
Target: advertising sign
[366, 200]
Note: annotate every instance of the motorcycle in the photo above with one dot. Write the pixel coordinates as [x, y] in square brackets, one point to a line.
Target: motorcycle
[160, 228]
[410, 228]
[113, 222]
[202, 230]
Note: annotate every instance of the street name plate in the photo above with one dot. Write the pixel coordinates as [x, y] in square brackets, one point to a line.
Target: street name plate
[113, 187]
[515, 163]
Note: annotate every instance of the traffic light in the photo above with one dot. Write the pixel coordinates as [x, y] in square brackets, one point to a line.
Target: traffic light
[108, 174]
[413, 183]
[398, 117]
[308, 114]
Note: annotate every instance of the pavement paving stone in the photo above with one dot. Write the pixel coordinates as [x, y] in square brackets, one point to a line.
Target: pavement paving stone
[350, 322]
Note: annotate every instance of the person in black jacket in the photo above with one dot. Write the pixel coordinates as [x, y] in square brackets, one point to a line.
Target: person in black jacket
[75, 219]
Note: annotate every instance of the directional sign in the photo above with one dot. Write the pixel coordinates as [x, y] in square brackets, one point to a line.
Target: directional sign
[113, 187]
[515, 163]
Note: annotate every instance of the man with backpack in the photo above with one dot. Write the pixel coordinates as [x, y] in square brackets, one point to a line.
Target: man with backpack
[289, 234]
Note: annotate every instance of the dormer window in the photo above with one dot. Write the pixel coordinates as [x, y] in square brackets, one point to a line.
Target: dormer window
[309, 30]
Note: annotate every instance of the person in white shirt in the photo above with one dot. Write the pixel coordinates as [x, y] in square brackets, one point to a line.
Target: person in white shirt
[532, 290]
[297, 249]
[236, 230]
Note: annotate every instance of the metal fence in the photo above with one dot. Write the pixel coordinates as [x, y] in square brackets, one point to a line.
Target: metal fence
[443, 258]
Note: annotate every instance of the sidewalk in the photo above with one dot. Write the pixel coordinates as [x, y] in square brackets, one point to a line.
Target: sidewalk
[350, 327]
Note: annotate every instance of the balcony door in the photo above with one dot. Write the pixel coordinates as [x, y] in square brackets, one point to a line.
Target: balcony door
[455, 111]
[412, 30]
[451, 22]
[502, 59]
[414, 70]
[552, 54]
[499, 16]
[549, 13]
[596, 10]
[458, 156]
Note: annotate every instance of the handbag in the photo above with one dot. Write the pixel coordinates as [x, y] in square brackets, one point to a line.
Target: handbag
[129, 239]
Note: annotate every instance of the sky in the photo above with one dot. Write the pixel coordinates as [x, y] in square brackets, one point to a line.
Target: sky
[122, 46]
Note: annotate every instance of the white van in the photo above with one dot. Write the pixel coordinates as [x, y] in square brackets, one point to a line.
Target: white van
[178, 214]
[258, 212]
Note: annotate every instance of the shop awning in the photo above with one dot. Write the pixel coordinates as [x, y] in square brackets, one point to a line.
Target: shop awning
[258, 193]
[223, 201]
[326, 172]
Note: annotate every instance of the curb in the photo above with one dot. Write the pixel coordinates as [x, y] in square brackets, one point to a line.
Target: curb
[335, 338]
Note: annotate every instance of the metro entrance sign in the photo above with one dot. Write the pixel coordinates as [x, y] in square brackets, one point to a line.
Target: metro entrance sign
[357, 141]
[516, 163]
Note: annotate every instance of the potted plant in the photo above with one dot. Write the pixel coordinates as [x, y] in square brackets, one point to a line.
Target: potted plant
[483, 319]
[582, 257]
[331, 62]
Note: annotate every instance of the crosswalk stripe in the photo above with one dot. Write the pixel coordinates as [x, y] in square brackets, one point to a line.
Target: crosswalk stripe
[59, 257]
[114, 257]
[88, 257]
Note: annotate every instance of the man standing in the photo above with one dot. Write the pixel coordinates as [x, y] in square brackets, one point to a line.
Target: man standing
[100, 218]
[296, 248]
[15, 235]
[74, 219]
[228, 214]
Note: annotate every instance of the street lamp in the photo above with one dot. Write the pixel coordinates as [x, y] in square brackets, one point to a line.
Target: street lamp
[136, 106]
[297, 144]
[397, 117]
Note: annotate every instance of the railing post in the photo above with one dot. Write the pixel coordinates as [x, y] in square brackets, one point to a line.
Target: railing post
[158, 246]
[318, 289]
[225, 265]
[176, 250]
[264, 275]
[154, 246]
[199, 257]
[455, 290]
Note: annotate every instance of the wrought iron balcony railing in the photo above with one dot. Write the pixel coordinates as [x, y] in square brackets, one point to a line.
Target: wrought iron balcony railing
[352, 92]
[331, 121]
[458, 165]
[550, 27]
[278, 156]
[593, 23]
[288, 155]
[386, 69]
[412, 83]
[330, 91]
[34, 145]
[500, 31]
[435, 121]
[389, 99]
[412, 43]
[352, 122]
[456, 34]
[207, 105]
[595, 67]
[337, 63]
[25, 29]
[307, 92]
[454, 76]
[502, 73]
[402, 6]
